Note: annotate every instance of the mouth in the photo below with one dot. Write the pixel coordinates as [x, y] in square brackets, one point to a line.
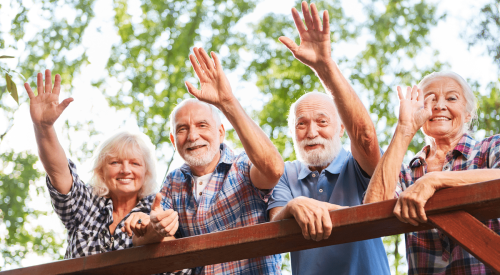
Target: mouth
[195, 147]
[124, 180]
[440, 118]
[312, 146]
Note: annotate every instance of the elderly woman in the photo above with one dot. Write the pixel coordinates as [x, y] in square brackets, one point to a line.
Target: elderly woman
[443, 105]
[121, 187]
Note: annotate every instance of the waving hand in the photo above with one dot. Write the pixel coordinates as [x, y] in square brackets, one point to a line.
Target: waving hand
[414, 111]
[45, 108]
[315, 48]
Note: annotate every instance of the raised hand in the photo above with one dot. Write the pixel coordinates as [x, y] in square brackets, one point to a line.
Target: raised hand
[215, 88]
[414, 111]
[137, 223]
[315, 47]
[45, 108]
[163, 222]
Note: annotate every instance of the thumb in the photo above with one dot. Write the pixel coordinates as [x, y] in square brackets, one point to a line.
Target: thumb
[64, 104]
[192, 90]
[428, 103]
[289, 43]
[157, 203]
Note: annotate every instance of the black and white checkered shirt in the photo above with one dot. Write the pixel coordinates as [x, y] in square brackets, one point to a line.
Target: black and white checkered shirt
[87, 218]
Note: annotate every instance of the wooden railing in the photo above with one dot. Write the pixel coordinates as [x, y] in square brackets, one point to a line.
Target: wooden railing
[455, 210]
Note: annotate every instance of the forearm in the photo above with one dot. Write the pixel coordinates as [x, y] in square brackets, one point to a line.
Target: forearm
[383, 182]
[151, 236]
[259, 148]
[353, 114]
[447, 179]
[280, 213]
[53, 158]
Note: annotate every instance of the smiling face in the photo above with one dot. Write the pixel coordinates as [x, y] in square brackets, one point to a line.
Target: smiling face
[124, 176]
[196, 135]
[448, 109]
[317, 130]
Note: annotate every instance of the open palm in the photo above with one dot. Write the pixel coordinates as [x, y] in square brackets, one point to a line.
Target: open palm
[45, 108]
[414, 111]
[315, 47]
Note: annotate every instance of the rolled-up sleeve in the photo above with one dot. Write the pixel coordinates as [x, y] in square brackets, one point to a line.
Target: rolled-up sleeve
[282, 193]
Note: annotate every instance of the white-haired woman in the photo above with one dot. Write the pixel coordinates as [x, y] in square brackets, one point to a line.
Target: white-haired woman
[444, 106]
[123, 183]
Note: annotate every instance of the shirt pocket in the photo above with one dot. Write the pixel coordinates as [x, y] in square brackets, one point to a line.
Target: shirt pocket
[85, 242]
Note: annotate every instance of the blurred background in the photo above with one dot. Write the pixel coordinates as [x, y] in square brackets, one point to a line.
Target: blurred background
[125, 62]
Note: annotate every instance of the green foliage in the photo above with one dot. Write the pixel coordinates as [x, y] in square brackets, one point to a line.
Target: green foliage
[486, 30]
[17, 178]
[9, 83]
[397, 261]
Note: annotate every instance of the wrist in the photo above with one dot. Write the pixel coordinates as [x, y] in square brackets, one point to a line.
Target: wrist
[325, 67]
[405, 131]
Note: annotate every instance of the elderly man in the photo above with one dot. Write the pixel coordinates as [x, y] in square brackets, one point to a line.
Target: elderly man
[326, 177]
[216, 189]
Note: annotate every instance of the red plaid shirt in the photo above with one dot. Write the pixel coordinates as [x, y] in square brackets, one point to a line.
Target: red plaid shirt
[430, 251]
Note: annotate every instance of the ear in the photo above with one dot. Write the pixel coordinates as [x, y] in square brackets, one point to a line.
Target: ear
[341, 132]
[222, 133]
[172, 140]
[468, 117]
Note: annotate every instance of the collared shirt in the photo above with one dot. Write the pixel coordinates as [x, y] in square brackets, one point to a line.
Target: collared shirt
[229, 200]
[87, 218]
[342, 183]
[430, 251]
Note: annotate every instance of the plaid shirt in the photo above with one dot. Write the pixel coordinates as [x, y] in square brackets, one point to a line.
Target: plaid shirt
[228, 201]
[87, 218]
[430, 251]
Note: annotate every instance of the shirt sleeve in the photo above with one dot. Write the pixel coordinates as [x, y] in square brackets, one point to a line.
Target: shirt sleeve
[494, 152]
[244, 165]
[166, 192]
[405, 180]
[282, 193]
[73, 207]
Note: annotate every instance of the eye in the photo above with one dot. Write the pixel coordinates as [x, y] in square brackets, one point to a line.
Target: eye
[452, 98]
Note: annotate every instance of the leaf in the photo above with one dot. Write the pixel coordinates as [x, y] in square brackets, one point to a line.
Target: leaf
[11, 87]
[6, 56]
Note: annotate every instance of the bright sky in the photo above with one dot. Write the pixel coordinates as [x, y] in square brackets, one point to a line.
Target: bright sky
[445, 37]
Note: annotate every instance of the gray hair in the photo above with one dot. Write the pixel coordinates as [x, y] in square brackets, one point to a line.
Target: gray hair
[470, 99]
[215, 112]
[123, 145]
[292, 114]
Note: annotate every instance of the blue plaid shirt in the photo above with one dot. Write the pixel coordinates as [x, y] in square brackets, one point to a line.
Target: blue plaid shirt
[229, 200]
[431, 251]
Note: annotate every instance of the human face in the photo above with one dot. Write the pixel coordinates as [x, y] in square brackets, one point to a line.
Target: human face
[317, 131]
[124, 176]
[197, 136]
[448, 109]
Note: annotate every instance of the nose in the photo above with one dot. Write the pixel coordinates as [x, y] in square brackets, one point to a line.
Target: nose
[312, 131]
[193, 135]
[440, 104]
[125, 167]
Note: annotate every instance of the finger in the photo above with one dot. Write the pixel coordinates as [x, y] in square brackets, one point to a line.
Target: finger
[170, 228]
[318, 225]
[412, 213]
[326, 23]
[400, 93]
[414, 93]
[421, 214]
[201, 60]
[57, 85]
[39, 83]
[307, 16]
[209, 62]
[428, 102]
[311, 230]
[127, 227]
[48, 81]
[64, 104]
[217, 64]
[289, 43]
[31, 95]
[298, 21]
[327, 225]
[197, 69]
[174, 229]
[408, 93]
[192, 90]
[305, 230]
[156, 205]
[168, 220]
[164, 214]
[397, 211]
[315, 18]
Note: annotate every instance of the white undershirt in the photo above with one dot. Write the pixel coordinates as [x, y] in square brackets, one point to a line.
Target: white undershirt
[199, 184]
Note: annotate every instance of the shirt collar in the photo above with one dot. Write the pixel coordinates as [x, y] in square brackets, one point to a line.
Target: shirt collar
[464, 147]
[226, 158]
[333, 168]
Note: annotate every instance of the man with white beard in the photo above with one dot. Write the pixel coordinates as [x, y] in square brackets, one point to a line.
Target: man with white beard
[215, 189]
[326, 177]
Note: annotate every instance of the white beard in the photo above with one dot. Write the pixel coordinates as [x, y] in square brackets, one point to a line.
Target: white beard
[319, 157]
[200, 159]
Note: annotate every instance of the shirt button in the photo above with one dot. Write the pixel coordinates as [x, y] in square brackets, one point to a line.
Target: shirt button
[112, 239]
[200, 183]
[321, 190]
[314, 175]
[200, 193]
[447, 167]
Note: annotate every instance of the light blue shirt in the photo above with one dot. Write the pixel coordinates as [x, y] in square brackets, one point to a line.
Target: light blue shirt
[342, 183]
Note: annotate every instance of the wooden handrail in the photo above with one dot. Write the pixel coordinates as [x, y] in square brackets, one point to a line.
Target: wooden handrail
[481, 200]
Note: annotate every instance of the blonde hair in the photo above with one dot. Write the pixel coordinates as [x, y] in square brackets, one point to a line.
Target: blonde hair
[123, 145]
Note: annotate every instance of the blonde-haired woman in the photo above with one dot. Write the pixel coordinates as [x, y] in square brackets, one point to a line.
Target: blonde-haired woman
[123, 181]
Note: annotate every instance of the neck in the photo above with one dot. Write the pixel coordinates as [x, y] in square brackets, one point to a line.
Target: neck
[317, 168]
[207, 169]
[123, 204]
[444, 145]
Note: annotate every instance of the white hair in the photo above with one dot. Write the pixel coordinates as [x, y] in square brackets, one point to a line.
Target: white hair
[124, 144]
[215, 113]
[470, 99]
